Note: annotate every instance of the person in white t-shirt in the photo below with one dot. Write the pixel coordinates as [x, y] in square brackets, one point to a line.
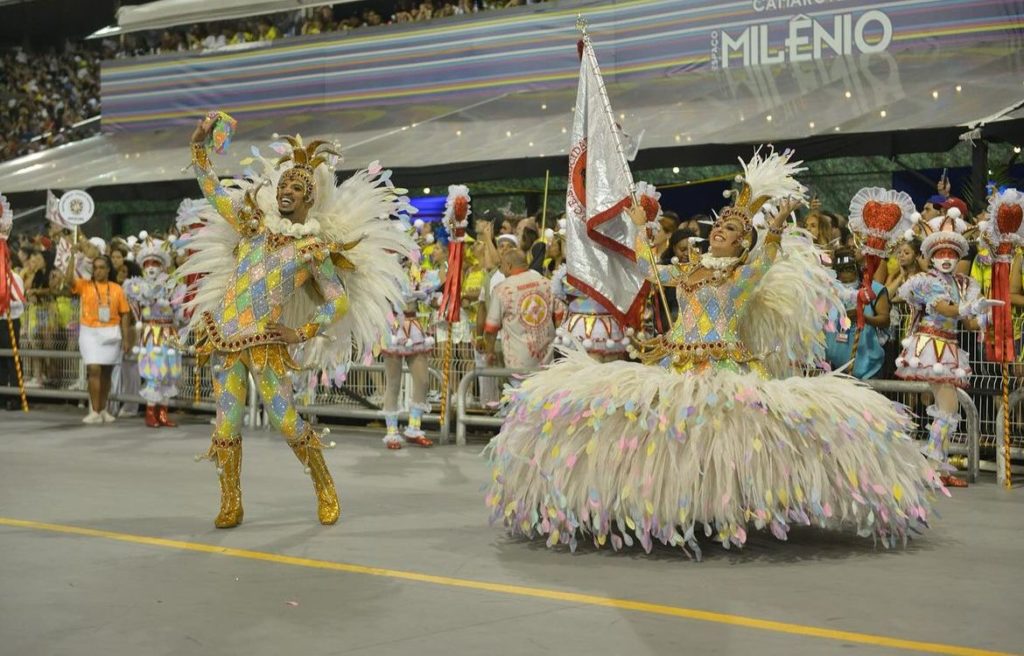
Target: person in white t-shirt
[491, 251]
[524, 311]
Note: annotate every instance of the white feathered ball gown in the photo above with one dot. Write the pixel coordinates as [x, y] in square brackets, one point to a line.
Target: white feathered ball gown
[724, 435]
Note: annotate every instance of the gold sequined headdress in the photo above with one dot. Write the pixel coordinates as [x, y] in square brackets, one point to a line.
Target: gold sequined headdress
[763, 179]
[305, 159]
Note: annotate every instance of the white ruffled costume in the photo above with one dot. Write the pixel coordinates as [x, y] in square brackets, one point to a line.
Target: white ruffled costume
[726, 433]
[156, 302]
[410, 332]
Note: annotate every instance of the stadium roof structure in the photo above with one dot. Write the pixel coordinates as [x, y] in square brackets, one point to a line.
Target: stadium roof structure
[162, 14]
[916, 76]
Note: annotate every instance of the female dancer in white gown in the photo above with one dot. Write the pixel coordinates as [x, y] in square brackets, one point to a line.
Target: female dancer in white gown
[720, 427]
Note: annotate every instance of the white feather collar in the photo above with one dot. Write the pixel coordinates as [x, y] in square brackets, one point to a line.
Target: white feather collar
[709, 261]
[282, 226]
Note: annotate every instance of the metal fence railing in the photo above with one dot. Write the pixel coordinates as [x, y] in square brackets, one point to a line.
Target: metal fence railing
[49, 341]
[965, 442]
[325, 400]
[464, 418]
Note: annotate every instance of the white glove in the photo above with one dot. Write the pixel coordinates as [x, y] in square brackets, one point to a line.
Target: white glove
[978, 307]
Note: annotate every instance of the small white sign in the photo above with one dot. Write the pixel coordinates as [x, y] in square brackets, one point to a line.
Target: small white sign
[76, 207]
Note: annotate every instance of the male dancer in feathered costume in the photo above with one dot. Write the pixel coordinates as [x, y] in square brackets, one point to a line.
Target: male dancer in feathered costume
[285, 267]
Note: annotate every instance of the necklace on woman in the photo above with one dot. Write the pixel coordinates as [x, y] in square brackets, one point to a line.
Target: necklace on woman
[718, 266]
[709, 261]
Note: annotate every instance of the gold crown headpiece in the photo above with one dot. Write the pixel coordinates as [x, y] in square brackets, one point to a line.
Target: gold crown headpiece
[305, 159]
[763, 178]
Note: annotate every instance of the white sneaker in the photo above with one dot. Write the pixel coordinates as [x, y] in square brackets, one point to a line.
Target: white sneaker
[92, 418]
[107, 417]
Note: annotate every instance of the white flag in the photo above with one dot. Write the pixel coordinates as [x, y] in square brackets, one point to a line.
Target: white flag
[62, 255]
[53, 210]
[600, 258]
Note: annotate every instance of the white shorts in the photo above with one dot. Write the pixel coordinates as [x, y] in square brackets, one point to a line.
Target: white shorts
[100, 345]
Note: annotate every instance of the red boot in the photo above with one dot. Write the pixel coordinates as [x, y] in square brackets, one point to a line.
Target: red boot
[952, 481]
[151, 419]
[163, 418]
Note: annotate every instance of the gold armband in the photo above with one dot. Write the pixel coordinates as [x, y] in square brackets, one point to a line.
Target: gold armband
[772, 238]
[309, 331]
[199, 155]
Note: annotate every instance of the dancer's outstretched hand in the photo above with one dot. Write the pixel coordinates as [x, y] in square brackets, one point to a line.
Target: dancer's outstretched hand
[786, 207]
[203, 127]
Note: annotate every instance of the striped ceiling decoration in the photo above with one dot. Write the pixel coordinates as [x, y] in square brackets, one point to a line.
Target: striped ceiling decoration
[451, 62]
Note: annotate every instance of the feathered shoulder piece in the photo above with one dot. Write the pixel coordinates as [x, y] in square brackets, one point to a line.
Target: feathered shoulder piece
[786, 317]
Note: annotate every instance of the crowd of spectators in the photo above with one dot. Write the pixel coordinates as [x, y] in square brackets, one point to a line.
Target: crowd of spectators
[319, 20]
[45, 96]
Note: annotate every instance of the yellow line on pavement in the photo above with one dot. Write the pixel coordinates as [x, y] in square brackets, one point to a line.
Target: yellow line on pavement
[521, 591]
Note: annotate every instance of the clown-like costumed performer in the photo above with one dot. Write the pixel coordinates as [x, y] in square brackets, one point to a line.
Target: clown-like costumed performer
[717, 430]
[155, 299]
[941, 300]
[295, 275]
[410, 340]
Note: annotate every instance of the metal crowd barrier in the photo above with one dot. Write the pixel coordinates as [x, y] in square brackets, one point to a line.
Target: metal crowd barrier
[965, 443]
[462, 417]
[329, 404]
[72, 387]
[362, 392]
[348, 412]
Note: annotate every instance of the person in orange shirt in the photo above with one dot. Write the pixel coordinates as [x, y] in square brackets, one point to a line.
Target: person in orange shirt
[104, 332]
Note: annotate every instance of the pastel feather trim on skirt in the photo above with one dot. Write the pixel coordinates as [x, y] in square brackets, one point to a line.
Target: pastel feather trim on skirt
[618, 451]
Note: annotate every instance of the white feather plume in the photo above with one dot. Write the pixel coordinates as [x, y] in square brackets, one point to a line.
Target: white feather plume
[773, 175]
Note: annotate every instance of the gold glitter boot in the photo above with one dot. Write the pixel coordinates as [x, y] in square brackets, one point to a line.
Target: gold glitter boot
[227, 455]
[309, 450]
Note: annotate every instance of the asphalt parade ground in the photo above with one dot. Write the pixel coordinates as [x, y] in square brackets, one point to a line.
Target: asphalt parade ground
[107, 546]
